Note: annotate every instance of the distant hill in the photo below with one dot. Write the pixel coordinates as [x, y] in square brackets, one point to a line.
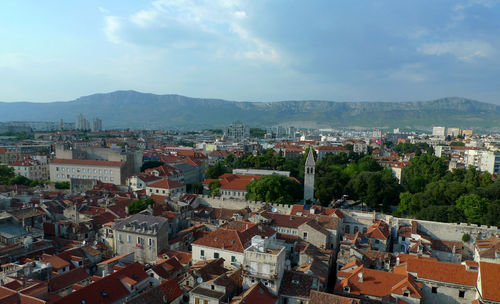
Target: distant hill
[131, 109]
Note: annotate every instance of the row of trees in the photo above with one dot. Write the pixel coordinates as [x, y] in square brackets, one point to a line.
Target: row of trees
[358, 176]
[462, 195]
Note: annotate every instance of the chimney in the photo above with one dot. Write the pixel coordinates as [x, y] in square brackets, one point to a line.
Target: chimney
[397, 261]
[360, 276]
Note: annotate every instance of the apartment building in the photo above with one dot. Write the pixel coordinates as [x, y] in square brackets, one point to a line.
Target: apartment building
[144, 235]
[264, 261]
[63, 170]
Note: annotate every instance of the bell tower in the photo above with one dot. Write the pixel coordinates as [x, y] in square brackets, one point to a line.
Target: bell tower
[309, 171]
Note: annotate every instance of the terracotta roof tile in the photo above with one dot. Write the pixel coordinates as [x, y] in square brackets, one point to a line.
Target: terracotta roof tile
[87, 162]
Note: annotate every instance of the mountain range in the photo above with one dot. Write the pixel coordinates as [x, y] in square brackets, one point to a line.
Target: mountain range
[131, 109]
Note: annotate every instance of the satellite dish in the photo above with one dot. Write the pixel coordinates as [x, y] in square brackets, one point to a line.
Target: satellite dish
[397, 253]
[287, 262]
[84, 242]
[199, 280]
[274, 209]
[95, 243]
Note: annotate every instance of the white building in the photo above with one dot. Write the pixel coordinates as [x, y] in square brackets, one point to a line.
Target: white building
[63, 170]
[439, 131]
[31, 169]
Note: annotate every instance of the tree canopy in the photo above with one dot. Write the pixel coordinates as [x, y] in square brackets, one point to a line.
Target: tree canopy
[274, 189]
[139, 205]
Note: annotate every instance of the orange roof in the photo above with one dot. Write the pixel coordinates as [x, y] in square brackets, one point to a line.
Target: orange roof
[490, 281]
[379, 283]
[166, 184]
[439, 271]
[87, 162]
[258, 293]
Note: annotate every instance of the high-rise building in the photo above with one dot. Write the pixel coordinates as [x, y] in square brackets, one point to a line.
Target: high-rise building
[439, 131]
[82, 123]
[237, 131]
[96, 125]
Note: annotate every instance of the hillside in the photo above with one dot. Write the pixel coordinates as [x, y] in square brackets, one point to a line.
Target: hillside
[131, 109]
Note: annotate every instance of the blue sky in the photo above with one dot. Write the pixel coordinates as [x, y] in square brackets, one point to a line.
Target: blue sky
[251, 50]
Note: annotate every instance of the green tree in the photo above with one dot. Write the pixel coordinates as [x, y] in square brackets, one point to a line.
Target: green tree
[330, 185]
[197, 188]
[257, 132]
[424, 169]
[139, 205]
[151, 164]
[62, 185]
[214, 188]
[229, 161]
[274, 189]
[473, 206]
[216, 170]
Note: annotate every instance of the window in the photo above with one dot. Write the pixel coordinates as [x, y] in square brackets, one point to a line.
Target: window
[62, 169]
[128, 238]
[461, 293]
[58, 175]
[95, 171]
[78, 170]
[205, 301]
[57, 168]
[120, 237]
[216, 255]
[150, 242]
[202, 252]
[100, 171]
[196, 300]
[233, 259]
[110, 171]
[73, 170]
[105, 171]
[434, 290]
[305, 235]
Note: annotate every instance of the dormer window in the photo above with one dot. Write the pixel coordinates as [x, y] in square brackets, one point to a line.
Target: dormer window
[406, 293]
[347, 289]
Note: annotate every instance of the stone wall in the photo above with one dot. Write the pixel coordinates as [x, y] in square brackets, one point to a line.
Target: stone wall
[216, 202]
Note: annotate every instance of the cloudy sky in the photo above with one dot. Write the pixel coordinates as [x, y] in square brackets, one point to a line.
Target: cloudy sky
[251, 50]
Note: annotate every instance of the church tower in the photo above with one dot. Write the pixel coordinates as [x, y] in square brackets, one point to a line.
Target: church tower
[309, 170]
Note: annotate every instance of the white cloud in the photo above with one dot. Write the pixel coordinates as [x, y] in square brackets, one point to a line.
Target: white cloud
[186, 22]
[112, 27]
[103, 10]
[412, 72]
[462, 50]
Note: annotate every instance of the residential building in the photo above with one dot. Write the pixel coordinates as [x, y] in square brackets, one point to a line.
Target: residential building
[144, 235]
[96, 125]
[63, 170]
[166, 187]
[264, 261]
[322, 151]
[442, 282]
[32, 169]
[237, 131]
[229, 244]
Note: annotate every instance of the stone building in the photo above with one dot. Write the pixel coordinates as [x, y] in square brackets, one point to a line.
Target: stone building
[309, 170]
[144, 235]
[264, 261]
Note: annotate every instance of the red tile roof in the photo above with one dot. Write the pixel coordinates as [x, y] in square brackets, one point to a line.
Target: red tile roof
[258, 293]
[68, 279]
[490, 281]
[439, 271]
[166, 184]
[233, 240]
[109, 289]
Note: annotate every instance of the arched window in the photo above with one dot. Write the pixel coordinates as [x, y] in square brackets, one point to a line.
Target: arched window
[356, 229]
[347, 229]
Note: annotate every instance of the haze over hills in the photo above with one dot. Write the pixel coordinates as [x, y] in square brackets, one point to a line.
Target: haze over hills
[131, 109]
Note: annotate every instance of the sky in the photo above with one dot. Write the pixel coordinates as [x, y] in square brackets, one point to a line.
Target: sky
[252, 50]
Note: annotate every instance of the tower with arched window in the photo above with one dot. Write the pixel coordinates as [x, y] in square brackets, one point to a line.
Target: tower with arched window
[309, 171]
